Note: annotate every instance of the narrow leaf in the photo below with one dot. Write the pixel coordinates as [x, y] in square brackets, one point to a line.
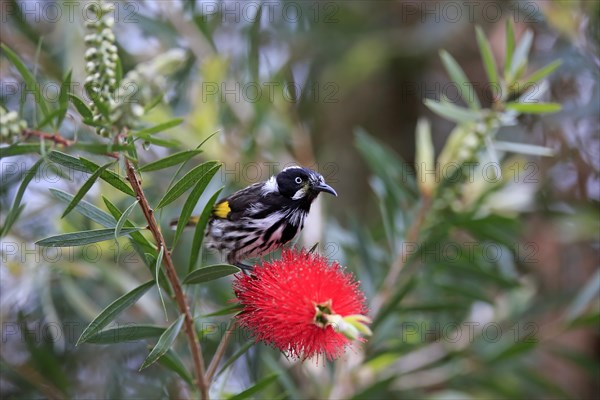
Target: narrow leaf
[110, 177]
[169, 161]
[130, 333]
[242, 350]
[192, 200]
[210, 273]
[534, 108]
[63, 98]
[85, 188]
[523, 148]
[113, 310]
[83, 237]
[16, 208]
[123, 219]
[200, 228]
[186, 182]
[159, 260]
[158, 128]
[487, 56]
[86, 209]
[135, 236]
[452, 112]
[260, 385]
[171, 360]
[30, 82]
[542, 73]
[48, 119]
[458, 76]
[164, 342]
[587, 295]
[160, 142]
[81, 107]
[232, 309]
[18, 149]
[101, 148]
[519, 59]
[510, 47]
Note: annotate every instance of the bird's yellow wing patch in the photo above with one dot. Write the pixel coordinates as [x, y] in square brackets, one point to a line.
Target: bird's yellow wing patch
[222, 209]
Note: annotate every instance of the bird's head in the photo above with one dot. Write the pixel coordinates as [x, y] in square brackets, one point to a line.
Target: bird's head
[300, 183]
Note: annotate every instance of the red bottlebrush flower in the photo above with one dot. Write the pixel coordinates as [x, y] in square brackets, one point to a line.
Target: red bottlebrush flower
[298, 304]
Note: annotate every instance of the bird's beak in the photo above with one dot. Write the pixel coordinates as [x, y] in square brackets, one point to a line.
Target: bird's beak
[323, 187]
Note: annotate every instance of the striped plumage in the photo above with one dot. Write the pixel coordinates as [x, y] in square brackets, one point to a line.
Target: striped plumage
[264, 216]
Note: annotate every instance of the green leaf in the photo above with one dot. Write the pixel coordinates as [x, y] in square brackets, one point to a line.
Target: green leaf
[523, 148]
[48, 119]
[113, 179]
[210, 273]
[487, 56]
[135, 236]
[18, 149]
[519, 59]
[232, 309]
[123, 219]
[158, 128]
[186, 182]
[192, 200]
[200, 228]
[63, 98]
[542, 73]
[153, 103]
[534, 108]
[16, 208]
[235, 356]
[169, 161]
[129, 333]
[260, 385]
[30, 82]
[85, 188]
[68, 161]
[81, 107]
[161, 142]
[452, 112]
[159, 260]
[101, 148]
[458, 76]
[171, 360]
[86, 209]
[510, 47]
[393, 302]
[82, 238]
[588, 294]
[164, 342]
[113, 310]
[84, 165]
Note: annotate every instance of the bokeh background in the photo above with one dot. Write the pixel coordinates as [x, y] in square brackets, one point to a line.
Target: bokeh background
[326, 84]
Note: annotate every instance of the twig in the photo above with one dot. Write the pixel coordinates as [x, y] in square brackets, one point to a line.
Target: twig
[56, 137]
[180, 299]
[214, 363]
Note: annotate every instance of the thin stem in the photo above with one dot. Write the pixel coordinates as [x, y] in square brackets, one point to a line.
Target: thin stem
[56, 137]
[171, 273]
[214, 363]
[389, 283]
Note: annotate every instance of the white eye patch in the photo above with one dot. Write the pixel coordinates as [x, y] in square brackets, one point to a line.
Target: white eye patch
[298, 180]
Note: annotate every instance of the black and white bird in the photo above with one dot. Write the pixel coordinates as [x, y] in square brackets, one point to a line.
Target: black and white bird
[264, 216]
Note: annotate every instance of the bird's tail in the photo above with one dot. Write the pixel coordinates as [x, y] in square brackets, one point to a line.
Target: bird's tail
[193, 221]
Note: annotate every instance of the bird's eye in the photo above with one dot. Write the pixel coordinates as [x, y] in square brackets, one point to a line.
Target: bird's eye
[298, 180]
